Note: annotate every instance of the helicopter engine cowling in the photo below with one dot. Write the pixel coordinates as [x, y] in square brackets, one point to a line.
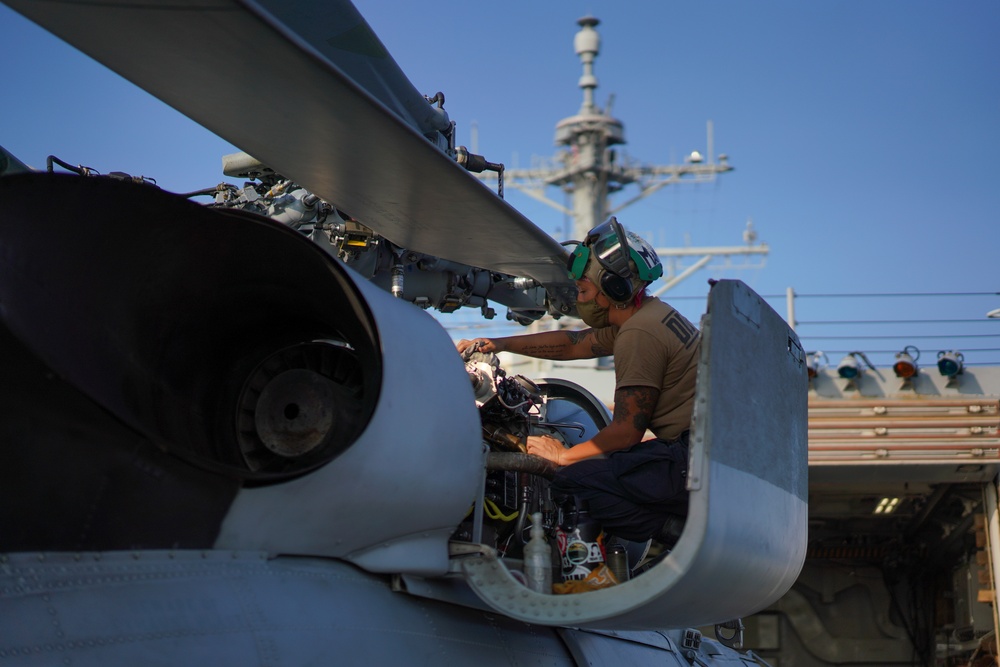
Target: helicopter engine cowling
[240, 347]
[389, 503]
[173, 317]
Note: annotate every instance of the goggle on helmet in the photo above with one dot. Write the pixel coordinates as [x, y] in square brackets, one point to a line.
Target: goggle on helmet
[613, 247]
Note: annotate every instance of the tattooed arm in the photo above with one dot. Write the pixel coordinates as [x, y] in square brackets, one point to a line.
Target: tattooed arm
[633, 413]
[559, 345]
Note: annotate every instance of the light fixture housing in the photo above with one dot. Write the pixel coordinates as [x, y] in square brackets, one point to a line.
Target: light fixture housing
[950, 363]
[814, 362]
[849, 368]
[906, 363]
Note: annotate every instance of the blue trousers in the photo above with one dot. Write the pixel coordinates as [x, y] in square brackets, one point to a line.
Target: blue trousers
[633, 491]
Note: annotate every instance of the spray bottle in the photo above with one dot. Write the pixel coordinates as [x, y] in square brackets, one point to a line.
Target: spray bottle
[538, 558]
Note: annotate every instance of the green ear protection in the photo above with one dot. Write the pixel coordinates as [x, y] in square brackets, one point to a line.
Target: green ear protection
[609, 244]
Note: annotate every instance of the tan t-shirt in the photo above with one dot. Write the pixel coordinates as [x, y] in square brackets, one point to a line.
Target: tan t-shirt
[657, 347]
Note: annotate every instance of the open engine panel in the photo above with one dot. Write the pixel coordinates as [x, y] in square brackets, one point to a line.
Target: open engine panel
[516, 485]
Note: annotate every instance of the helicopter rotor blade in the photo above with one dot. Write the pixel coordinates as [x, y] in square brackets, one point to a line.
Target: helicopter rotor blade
[243, 71]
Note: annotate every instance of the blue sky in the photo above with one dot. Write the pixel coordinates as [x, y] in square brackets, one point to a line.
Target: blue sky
[865, 135]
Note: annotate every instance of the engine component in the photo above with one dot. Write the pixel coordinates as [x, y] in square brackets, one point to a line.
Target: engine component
[512, 407]
[300, 404]
[518, 462]
[504, 402]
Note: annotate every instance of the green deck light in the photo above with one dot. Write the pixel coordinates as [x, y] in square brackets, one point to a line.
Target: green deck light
[950, 363]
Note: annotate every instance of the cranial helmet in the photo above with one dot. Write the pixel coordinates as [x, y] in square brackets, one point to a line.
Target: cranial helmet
[620, 263]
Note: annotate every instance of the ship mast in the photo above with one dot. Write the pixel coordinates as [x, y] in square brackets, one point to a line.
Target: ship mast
[589, 169]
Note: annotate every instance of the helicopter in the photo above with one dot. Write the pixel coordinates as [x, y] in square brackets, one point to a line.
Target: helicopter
[232, 433]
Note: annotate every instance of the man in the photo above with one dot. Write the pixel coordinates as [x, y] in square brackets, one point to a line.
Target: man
[636, 490]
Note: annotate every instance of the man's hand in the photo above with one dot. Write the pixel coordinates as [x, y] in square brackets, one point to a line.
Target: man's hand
[481, 344]
[546, 447]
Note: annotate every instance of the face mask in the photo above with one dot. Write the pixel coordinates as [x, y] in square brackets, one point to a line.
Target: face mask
[592, 314]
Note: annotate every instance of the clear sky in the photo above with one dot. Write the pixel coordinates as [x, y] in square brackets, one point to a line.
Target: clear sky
[865, 135]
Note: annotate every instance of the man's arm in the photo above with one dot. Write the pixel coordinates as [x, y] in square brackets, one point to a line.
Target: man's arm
[560, 345]
[633, 413]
